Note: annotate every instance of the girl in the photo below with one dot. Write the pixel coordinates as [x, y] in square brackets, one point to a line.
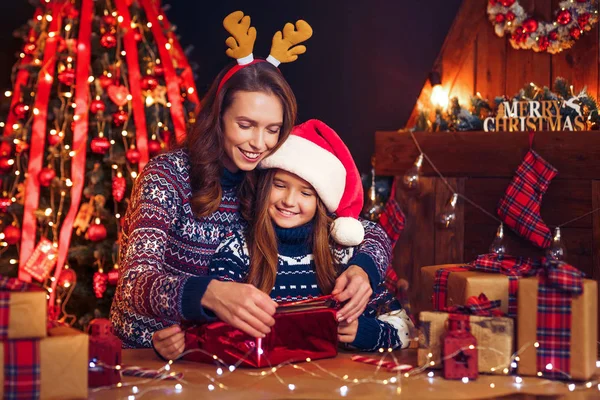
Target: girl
[286, 252]
[186, 202]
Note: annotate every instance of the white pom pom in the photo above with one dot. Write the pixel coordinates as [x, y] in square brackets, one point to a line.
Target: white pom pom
[347, 231]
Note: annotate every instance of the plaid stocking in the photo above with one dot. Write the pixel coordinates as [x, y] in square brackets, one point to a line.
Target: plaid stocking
[520, 206]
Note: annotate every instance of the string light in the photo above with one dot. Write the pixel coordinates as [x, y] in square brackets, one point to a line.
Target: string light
[344, 391]
[211, 387]
[219, 371]
[465, 379]
[291, 386]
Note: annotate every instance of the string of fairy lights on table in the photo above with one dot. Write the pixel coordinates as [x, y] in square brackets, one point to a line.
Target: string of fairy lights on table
[446, 219]
[168, 373]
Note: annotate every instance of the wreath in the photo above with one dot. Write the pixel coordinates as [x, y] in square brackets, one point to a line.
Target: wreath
[572, 19]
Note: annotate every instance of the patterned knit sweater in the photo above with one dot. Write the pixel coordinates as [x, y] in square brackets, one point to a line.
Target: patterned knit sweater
[166, 249]
[297, 280]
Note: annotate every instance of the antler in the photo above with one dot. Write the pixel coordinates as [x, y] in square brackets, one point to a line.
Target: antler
[241, 41]
[282, 48]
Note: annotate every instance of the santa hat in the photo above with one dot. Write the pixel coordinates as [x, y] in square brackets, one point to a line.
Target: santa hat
[315, 153]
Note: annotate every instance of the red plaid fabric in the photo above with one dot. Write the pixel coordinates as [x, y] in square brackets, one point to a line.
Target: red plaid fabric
[520, 206]
[392, 219]
[558, 283]
[478, 305]
[440, 286]
[22, 369]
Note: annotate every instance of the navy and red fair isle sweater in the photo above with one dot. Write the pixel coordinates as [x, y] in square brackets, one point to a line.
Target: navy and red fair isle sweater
[297, 280]
[166, 250]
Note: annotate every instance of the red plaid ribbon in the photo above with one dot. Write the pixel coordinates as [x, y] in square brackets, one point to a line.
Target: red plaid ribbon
[22, 369]
[558, 283]
[440, 287]
[478, 305]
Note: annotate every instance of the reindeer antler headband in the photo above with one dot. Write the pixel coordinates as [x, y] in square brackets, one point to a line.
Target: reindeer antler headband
[284, 48]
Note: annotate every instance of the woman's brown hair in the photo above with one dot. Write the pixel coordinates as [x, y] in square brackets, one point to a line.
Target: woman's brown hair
[204, 142]
[262, 242]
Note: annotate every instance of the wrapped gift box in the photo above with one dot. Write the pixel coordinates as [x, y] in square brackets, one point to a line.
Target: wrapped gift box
[580, 356]
[23, 310]
[50, 368]
[462, 285]
[495, 340]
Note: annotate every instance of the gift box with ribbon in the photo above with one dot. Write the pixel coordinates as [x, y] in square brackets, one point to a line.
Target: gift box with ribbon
[304, 329]
[55, 367]
[494, 334]
[496, 276]
[558, 323]
[23, 310]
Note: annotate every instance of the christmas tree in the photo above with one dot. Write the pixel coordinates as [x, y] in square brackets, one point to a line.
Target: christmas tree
[99, 87]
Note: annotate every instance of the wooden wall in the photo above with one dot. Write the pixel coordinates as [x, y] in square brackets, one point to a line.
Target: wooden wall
[473, 59]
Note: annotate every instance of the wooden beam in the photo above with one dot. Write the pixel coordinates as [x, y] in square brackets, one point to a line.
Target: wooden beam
[576, 155]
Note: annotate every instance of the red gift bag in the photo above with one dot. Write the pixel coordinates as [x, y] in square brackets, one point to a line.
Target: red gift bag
[306, 329]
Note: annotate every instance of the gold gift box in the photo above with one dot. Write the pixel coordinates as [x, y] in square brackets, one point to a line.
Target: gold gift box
[27, 315]
[584, 329]
[494, 336]
[63, 365]
[462, 285]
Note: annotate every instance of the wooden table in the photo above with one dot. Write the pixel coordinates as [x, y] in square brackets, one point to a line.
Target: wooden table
[323, 379]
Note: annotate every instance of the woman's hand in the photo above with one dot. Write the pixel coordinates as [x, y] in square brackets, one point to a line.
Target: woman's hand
[169, 342]
[241, 305]
[347, 331]
[353, 285]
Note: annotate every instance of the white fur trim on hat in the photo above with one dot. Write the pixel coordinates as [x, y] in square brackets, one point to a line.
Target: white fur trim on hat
[323, 170]
[347, 231]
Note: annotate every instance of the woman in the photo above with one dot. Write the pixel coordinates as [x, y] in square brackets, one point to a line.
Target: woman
[186, 202]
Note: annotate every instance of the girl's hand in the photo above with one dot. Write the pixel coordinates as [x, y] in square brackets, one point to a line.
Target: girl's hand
[241, 305]
[169, 342]
[353, 285]
[347, 331]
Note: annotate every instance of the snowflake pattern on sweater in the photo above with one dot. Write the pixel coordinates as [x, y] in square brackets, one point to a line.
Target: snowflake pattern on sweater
[297, 280]
[165, 249]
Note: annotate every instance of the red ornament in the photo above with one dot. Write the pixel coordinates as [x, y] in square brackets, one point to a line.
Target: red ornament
[46, 175]
[133, 155]
[96, 232]
[104, 348]
[507, 3]
[67, 76]
[563, 17]
[530, 25]
[5, 164]
[120, 117]
[97, 106]
[109, 19]
[500, 18]
[154, 147]
[118, 94]
[68, 277]
[54, 139]
[99, 284]
[583, 20]
[30, 48]
[5, 149]
[553, 36]
[108, 40]
[113, 277]
[159, 70]
[21, 146]
[100, 145]
[12, 234]
[20, 110]
[5, 202]
[458, 340]
[543, 43]
[119, 184]
[575, 32]
[149, 82]
[137, 34]
[510, 16]
[105, 81]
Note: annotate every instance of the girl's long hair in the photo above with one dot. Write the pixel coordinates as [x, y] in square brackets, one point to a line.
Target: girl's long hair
[262, 242]
[204, 142]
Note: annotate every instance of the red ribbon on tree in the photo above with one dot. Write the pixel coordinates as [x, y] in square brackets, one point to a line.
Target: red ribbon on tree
[173, 89]
[80, 134]
[38, 140]
[135, 78]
